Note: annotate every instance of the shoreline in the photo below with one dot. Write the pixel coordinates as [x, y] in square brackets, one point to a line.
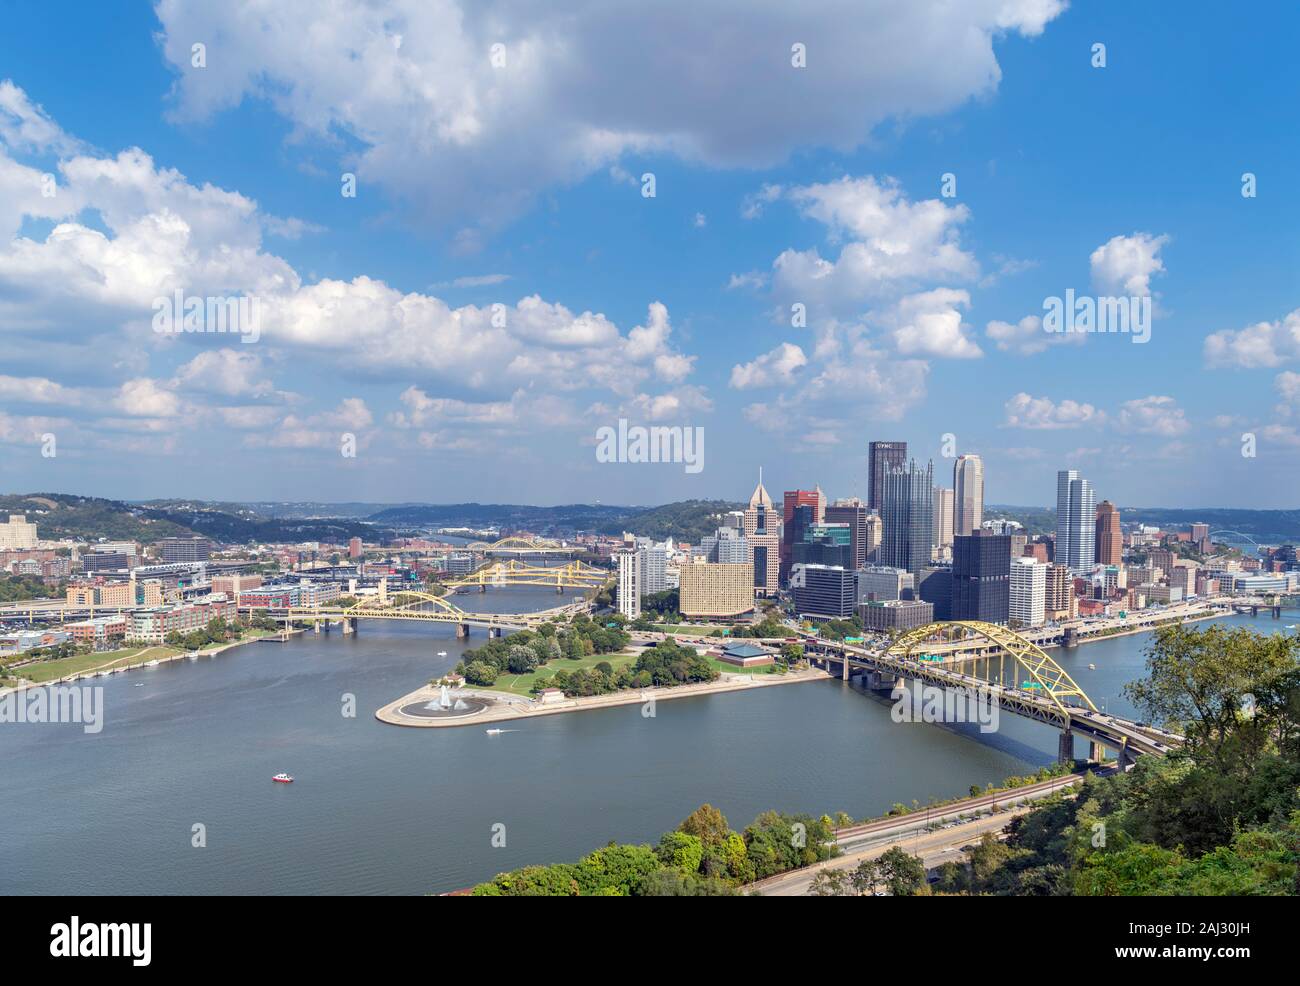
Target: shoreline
[94, 672]
[511, 708]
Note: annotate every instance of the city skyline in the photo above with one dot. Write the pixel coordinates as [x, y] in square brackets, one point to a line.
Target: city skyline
[870, 258]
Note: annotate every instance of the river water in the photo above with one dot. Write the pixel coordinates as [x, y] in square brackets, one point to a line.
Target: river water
[380, 809]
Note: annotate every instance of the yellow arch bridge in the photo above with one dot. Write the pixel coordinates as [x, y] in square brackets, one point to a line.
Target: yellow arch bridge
[420, 607]
[503, 574]
[521, 546]
[1014, 672]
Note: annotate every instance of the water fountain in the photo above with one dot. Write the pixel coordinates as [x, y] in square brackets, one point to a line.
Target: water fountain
[445, 707]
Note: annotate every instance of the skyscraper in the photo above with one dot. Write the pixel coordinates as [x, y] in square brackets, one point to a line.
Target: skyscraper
[854, 513]
[792, 530]
[1076, 531]
[1028, 597]
[760, 528]
[981, 577]
[907, 512]
[881, 457]
[629, 585]
[1110, 540]
[943, 517]
[968, 494]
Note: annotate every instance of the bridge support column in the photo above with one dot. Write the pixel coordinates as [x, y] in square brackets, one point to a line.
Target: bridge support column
[349, 624]
[462, 631]
[494, 632]
[1065, 746]
[1096, 753]
[315, 626]
[844, 668]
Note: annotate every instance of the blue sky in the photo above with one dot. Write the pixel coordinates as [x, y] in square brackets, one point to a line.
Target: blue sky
[517, 183]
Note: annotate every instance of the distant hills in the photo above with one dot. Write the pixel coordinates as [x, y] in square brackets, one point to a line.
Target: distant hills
[61, 515]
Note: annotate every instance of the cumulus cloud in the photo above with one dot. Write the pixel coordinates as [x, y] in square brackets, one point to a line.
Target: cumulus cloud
[930, 324]
[1264, 344]
[1027, 337]
[890, 243]
[419, 89]
[1042, 413]
[775, 367]
[1124, 265]
[1152, 416]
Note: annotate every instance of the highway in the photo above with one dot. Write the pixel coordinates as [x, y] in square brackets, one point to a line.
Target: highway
[913, 833]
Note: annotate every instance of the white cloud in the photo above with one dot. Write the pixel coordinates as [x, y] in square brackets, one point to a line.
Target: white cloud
[228, 372]
[930, 324]
[1124, 265]
[1264, 344]
[1027, 337]
[892, 243]
[1152, 416]
[1042, 413]
[618, 78]
[775, 367]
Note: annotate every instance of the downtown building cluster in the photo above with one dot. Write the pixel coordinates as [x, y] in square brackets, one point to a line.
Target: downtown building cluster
[914, 552]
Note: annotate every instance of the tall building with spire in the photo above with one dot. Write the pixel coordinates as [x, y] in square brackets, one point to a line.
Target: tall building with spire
[1076, 519]
[1110, 539]
[763, 534]
[968, 494]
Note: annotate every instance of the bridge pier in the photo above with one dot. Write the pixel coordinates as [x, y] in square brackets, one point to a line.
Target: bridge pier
[1096, 752]
[462, 631]
[350, 624]
[493, 632]
[1065, 746]
[315, 626]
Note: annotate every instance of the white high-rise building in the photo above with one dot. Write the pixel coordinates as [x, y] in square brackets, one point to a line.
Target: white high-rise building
[968, 494]
[629, 584]
[1076, 518]
[1028, 603]
[653, 562]
[943, 517]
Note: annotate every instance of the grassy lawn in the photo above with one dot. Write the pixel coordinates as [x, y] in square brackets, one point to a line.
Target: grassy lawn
[725, 668]
[49, 670]
[686, 628]
[521, 684]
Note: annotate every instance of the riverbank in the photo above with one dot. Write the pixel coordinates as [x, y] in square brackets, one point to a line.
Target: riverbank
[507, 708]
[145, 657]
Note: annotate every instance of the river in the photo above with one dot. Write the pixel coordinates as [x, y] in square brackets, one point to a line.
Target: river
[380, 809]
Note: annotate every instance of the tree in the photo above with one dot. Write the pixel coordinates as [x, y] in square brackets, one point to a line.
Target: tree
[706, 823]
[681, 851]
[480, 673]
[902, 873]
[830, 882]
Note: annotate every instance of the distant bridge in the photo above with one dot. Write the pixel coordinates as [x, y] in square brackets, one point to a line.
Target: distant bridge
[504, 574]
[420, 607]
[1018, 674]
[521, 546]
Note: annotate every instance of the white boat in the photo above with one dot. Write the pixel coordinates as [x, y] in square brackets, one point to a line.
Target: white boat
[282, 779]
[139, 684]
[494, 732]
[442, 653]
[1092, 667]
